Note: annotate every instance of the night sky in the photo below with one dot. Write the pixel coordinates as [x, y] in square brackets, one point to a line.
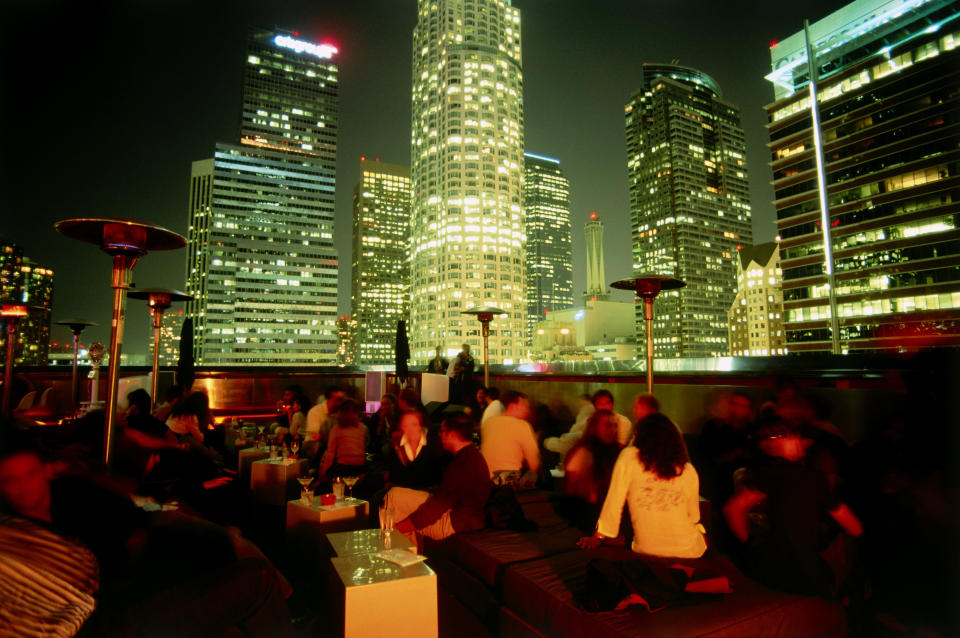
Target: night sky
[105, 105]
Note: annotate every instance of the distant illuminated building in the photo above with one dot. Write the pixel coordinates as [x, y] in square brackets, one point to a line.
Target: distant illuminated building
[11, 275]
[170, 336]
[261, 264]
[381, 239]
[546, 208]
[596, 271]
[346, 341]
[22, 282]
[466, 226]
[689, 204]
[600, 330]
[888, 72]
[756, 316]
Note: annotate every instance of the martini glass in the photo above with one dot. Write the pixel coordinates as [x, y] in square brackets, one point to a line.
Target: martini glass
[350, 481]
[261, 439]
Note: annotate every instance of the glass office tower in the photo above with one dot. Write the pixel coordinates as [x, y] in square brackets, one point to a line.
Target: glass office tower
[689, 204]
[261, 262]
[381, 275]
[466, 154]
[890, 131]
[546, 209]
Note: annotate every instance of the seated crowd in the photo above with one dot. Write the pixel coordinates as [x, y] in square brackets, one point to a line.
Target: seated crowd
[773, 482]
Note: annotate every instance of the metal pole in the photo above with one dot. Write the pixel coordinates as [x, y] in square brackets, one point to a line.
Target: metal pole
[157, 316]
[8, 367]
[648, 318]
[121, 267]
[822, 190]
[73, 386]
[486, 362]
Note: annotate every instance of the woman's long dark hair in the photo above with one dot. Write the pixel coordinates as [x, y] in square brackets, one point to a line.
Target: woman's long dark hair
[604, 454]
[196, 403]
[661, 446]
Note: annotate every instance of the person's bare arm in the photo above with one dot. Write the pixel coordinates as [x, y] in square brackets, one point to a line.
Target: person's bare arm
[847, 520]
[737, 509]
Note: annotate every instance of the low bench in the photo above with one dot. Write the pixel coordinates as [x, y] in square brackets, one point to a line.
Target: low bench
[526, 585]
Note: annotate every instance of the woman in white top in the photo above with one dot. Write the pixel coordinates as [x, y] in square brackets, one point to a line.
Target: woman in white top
[655, 478]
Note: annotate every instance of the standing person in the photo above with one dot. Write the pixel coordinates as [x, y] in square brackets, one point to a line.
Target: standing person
[655, 479]
[460, 372]
[299, 408]
[798, 498]
[509, 445]
[438, 365]
[457, 505]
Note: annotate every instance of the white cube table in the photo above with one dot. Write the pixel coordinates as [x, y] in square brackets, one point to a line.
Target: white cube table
[367, 541]
[274, 482]
[245, 459]
[378, 598]
[308, 525]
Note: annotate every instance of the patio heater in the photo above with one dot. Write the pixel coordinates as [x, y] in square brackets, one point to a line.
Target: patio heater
[647, 288]
[158, 300]
[12, 314]
[76, 327]
[485, 315]
[125, 240]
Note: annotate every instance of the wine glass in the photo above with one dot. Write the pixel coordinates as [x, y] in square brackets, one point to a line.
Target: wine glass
[261, 437]
[350, 481]
[295, 447]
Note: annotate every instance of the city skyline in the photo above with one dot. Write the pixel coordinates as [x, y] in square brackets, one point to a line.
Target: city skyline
[106, 54]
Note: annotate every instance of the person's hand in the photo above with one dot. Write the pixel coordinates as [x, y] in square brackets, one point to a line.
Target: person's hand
[589, 542]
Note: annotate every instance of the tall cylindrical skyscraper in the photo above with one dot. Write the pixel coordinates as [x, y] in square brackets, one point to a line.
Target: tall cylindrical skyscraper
[596, 273]
[466, 155]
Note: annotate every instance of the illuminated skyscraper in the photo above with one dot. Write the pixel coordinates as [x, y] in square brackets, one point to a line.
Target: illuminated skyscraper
[888, 72]
[689, 204]
[347, 344]
[381, 238]
[261, 262]
[546, 209]
[467, 238]
[596, 271]
[170, 336]
[23, 282]
[756, 316]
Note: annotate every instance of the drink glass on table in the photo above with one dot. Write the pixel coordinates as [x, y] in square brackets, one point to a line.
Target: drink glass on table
[350, 482]
[386, 520]
[295, 447]
[306, 494]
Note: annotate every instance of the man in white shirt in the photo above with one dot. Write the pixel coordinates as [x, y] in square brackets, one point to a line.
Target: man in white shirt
[509, 445]
[494, 406]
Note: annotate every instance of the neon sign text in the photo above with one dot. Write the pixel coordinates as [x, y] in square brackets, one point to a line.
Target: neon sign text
[324, 51]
